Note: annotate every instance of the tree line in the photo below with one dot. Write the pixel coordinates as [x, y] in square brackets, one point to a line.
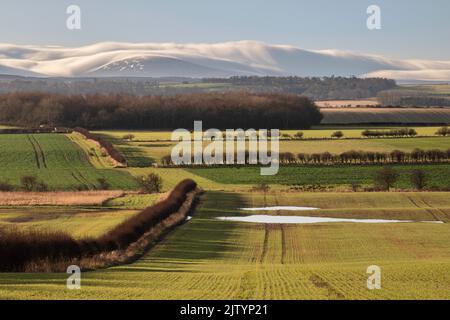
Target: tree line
[407, 97]
[216, 110]
[397, 133]
[417, 156]
[367, 157]
[324, 88]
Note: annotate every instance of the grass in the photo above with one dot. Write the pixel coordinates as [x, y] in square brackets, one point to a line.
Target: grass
[438, 175]
[133, 201]
[79, 198]
[211, 259]
[376, 145]
[92, 150]
[76, 221]
[172, 176]
[56, 160]
[348, 116]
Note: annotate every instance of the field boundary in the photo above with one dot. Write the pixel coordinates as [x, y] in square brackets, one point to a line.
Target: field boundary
[53, 252]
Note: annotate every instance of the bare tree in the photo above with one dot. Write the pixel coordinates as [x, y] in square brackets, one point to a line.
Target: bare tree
[385, 178]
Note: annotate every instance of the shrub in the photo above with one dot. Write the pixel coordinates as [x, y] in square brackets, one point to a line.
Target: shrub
[418, 179]
[166, 160]
[385, 178]
[337, 134]
[31, 183]
[103, 184]
[405, 132]
[299, 135]
[128, 137]
[262, 187]
[152, 183]
[6, 186]
[444, 131]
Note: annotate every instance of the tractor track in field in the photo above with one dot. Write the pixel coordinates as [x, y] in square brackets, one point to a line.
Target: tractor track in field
[77, 178]
[283, 236]
[437, 209]
[36, 155]
[265, 244]
[41, 151]
[82, 179]
[283, 243]
[76, 174]
[429, 210]
[320, 282]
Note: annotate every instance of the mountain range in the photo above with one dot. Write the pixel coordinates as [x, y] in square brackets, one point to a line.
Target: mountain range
[241, 58]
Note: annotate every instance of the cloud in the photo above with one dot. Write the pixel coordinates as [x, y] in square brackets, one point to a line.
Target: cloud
[218, 59]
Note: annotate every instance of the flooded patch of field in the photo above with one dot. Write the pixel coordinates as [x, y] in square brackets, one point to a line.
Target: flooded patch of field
[309, 220]
[280, 208]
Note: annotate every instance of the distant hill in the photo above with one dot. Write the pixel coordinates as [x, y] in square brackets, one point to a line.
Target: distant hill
[242, 58]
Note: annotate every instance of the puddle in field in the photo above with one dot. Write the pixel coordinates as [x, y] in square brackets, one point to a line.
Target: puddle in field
[308, 220]
[280, 208]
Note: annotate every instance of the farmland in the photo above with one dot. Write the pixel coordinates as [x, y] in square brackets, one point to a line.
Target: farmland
[60, 198]
[361, 116]
[321, 132]
[206, 258]
[439, 175]
[143, 151]
[79, 222]
[56, 160]
[211, 259]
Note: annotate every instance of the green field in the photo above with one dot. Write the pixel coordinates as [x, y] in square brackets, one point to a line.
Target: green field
[92, 150]
[438, 175]
[55, 159]
[211, 259]
[133, 201]
[78, 222]
[398, 116]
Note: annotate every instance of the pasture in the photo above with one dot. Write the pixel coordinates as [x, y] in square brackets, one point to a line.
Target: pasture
[400, 116]
[211, 259]
[55, 159]
[77, 221]
[293, 176]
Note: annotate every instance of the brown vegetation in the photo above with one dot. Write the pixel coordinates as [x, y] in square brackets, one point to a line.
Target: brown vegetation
[216, 110]
[80, 198]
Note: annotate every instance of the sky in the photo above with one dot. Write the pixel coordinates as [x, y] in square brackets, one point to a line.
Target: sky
[409, 28]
